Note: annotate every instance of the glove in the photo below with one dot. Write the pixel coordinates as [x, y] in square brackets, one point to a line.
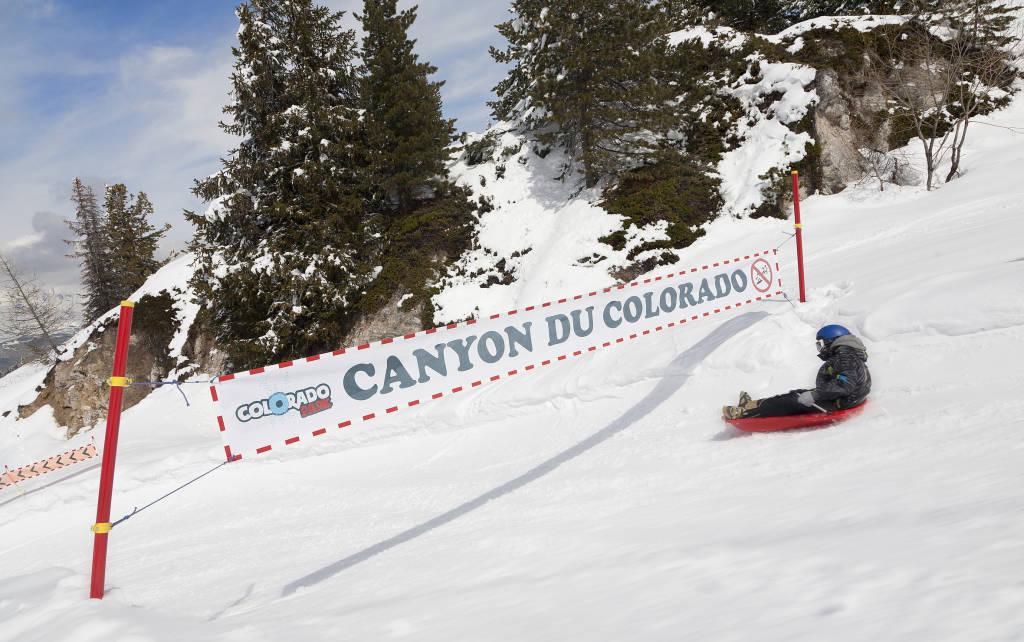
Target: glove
[806, 398]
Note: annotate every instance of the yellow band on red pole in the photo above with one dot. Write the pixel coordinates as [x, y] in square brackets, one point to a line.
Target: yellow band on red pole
[119, 382]
[128, 304]
[104, 527]
[798, 226]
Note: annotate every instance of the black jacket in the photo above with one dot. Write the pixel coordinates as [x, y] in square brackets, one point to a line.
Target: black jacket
[844, 378]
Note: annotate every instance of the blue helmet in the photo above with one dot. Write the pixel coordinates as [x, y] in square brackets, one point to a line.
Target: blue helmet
[828, 334]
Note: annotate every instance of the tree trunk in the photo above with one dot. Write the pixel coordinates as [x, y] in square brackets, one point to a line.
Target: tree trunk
[29, 304]
[959, 137]
[589, 173]
[929, 161]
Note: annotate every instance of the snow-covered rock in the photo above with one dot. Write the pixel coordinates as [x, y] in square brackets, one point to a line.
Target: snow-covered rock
[74, 388]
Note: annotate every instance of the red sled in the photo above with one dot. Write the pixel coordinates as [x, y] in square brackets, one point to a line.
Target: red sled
[791, 422]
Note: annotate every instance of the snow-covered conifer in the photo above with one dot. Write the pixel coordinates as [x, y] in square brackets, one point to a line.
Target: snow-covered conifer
[771, 16]
[91, 247]
[407, 136]
[584, 77]
[417, 217]
[132, 240]
[277, 270]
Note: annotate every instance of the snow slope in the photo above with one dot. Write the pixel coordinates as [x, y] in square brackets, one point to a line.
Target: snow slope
[38, 436]
[543, 234]
[604, 499]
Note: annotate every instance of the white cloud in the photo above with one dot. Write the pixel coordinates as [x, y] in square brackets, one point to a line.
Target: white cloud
[43, 252]
[154, 128]
[26, 241]
[152, 122]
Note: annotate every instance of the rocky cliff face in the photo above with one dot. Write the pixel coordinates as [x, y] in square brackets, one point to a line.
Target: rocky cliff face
[165, 343]
[840, 131]
[389, 321]
[76, 387]
[851, 122]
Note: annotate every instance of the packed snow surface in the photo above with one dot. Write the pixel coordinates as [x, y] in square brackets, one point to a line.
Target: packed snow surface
[604, 498]
[535, 229]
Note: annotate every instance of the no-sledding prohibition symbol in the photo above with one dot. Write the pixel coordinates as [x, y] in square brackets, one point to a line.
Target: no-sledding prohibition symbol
[761, 275]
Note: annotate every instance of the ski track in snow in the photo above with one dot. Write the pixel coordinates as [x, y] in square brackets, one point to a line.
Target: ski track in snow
[604, 499]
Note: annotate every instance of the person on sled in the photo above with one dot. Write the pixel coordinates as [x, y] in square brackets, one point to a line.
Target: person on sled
[843, 381]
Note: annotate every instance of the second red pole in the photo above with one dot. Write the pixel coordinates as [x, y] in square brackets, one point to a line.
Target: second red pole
[118, 382]
[799, 235]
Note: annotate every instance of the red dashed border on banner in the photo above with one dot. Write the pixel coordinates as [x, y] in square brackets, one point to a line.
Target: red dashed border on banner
[511, 373]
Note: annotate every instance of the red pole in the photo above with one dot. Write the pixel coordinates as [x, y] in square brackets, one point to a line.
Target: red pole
[118, 382]
[799, 235]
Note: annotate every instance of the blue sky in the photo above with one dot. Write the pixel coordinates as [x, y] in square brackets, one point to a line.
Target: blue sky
[131, 91]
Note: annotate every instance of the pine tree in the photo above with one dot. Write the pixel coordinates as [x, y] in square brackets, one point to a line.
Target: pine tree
[418, 217]
[277, 269]
[772, 16]
[798, 10]
[584, 77]
[761, 16]
[527, 33]
[406, 134]
[131, 238]
[92, 248]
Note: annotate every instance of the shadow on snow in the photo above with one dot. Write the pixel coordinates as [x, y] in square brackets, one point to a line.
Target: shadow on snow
[678, 372]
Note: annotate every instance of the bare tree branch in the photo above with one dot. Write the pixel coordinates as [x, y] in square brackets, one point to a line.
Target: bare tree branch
[940, 70]
[31, 309]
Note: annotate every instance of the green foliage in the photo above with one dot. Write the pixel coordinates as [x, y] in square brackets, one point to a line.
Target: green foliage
[91, 246]
[584, 77]
[420, 219]
[705, 114]
[116, 245]
[674, 189]
[759, 16]
[416, 249]
[407, 137]
[983, 23]
[337, 196]
[778, 190]
[480, 150]
[276, 255]
[154, 322]
[772, 16]
[132, 239]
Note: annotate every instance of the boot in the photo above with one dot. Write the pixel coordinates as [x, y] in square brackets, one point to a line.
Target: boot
[746, 404]
[732, 412]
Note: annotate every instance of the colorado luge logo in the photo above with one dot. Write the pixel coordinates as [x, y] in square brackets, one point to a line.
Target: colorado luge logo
[308, 401]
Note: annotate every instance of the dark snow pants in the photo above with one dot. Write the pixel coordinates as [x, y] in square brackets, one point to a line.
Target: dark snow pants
[786, 404]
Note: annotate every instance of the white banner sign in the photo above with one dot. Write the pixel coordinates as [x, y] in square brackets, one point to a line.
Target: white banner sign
[295, 401]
